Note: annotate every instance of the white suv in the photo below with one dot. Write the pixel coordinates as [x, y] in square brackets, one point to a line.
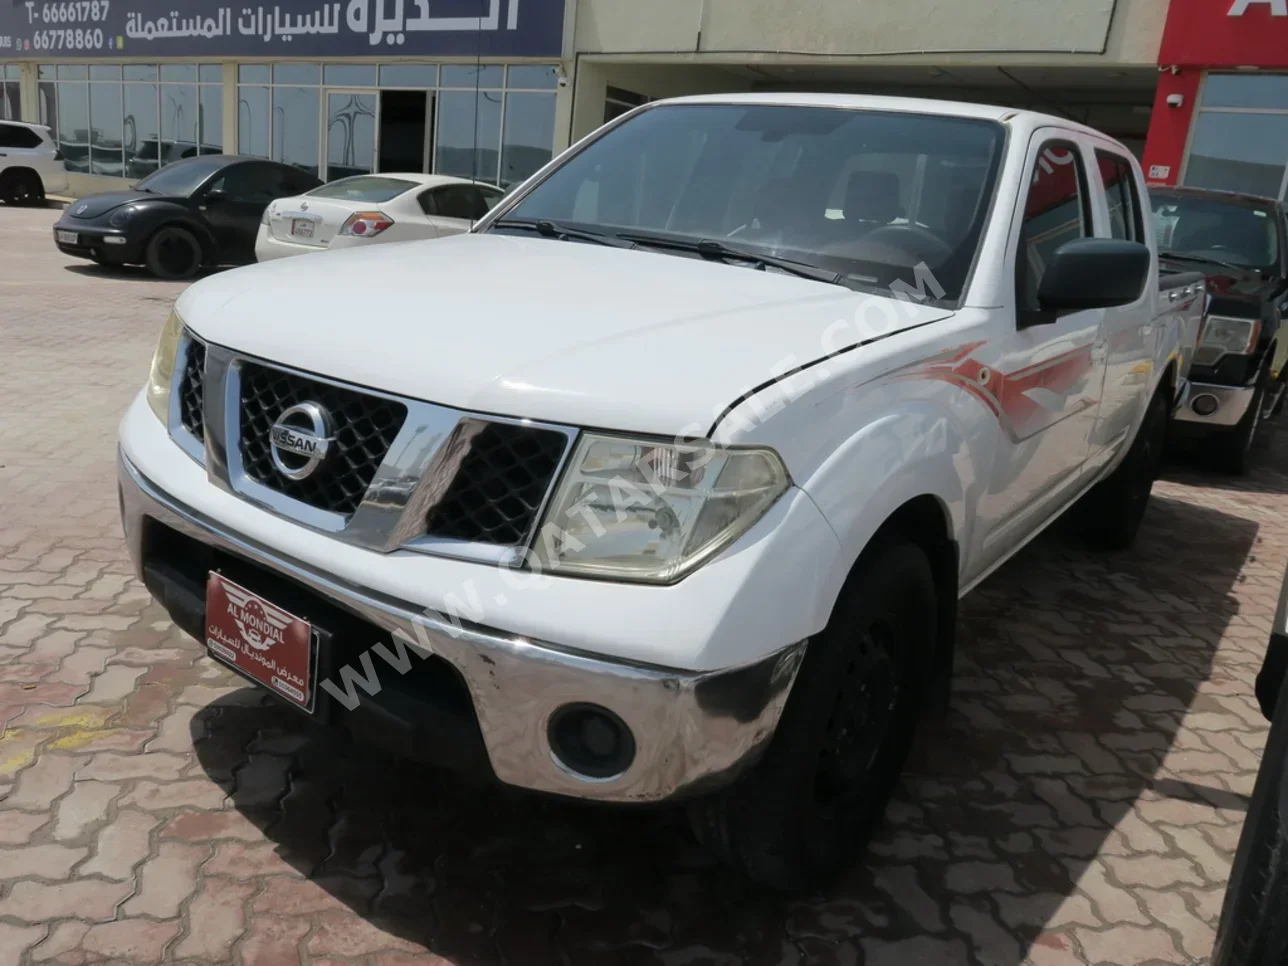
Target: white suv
[31, 165]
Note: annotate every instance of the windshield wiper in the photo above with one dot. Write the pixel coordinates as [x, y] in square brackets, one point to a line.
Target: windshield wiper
[1182, 257]
[720, 252]
[549, 229]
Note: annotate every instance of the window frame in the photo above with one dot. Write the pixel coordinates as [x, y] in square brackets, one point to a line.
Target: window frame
[1026, 317]
[1137, 224]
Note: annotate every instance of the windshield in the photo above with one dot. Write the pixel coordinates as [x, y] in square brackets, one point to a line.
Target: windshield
[364, 188]
[181, 178]
[869, 195]
[1217, 230]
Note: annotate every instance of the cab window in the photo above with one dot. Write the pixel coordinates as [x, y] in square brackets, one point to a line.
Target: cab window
[1056, 211]
[1125, 219]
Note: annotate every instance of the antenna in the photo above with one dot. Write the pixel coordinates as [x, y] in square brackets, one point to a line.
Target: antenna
[478, 71]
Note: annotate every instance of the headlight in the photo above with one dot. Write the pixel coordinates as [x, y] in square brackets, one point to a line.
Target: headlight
[645, 511]
[1238, 336]
[120, 217]
[162, 372]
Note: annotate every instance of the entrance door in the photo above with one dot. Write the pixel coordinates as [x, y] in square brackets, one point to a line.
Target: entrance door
[350, 133]
[406, 120]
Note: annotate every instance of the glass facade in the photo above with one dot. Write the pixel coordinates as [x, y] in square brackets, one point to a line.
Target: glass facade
[1239, 140]
[488, 122]
[126, 121]
[10, 101]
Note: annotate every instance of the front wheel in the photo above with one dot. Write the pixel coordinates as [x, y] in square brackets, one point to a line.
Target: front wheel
[1233, 448]
[173, 253]
[820, 791]
[1110, 515]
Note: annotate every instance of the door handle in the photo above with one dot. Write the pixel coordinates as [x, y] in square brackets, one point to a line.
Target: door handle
[201, 207]
[1173, 295]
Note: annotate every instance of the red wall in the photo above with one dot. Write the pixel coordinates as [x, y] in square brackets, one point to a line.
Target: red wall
[1170, 126]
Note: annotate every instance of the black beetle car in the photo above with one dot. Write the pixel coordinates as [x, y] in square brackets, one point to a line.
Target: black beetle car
[199, 211]
[1240, 242]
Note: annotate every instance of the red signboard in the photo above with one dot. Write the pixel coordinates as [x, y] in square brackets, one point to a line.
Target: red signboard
[1226, 33]
[260, 639]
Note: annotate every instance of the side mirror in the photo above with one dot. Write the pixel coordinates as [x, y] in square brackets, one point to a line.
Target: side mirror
[1094, 273]
[216, 194]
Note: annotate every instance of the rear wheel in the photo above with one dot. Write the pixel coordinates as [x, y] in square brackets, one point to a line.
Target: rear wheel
[820, 791]
[22, 188]
[173, 253]
[1254, 930]
[1110, 515]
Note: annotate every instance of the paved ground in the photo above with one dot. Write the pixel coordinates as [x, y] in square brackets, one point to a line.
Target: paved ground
[1080, 804]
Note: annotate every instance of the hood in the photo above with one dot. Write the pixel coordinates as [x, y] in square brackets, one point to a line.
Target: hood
[562, 332]
[95, 205]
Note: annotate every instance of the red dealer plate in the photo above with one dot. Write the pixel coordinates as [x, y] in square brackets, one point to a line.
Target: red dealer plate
[260, 640]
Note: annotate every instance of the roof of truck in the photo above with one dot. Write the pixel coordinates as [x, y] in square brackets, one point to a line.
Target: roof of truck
[910, 105]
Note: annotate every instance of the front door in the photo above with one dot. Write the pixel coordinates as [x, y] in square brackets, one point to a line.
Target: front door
[233, 204]
[1049, 371]
[351, 121]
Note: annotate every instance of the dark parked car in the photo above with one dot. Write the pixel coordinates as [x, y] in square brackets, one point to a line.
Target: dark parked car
[199, 211]
[1254, 920]
[1240, 243]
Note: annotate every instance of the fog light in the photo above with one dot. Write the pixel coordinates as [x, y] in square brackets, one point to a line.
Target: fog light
[590, 741]
[1205, 405]
[114, 240]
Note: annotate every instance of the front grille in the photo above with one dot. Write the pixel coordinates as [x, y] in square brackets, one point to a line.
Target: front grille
[192, 391]
[363, 427]
[500, 486]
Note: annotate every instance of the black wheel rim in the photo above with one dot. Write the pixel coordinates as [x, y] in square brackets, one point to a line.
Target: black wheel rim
[863, 712]
[22, 193]
[175, 254]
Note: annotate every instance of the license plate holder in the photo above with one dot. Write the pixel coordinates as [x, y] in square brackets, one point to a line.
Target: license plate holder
[302, 227]
[67, 237]
[265, 643]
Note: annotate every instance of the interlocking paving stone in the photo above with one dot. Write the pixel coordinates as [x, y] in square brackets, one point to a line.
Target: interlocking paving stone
[1079, 803]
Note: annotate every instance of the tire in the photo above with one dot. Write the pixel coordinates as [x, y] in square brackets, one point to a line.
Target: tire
[173, 253]
[1254, 929]
[1232, 449]
[22, 188]
[821, 789]
[1109, 516]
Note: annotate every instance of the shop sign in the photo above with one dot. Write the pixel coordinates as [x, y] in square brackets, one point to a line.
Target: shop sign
[1226, 33]
[80, 29]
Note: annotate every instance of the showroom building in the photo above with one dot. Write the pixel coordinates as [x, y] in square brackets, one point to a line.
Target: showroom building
[1221, 109]
[491, 88]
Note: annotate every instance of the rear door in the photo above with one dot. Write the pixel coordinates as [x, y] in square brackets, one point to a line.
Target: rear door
[20, 146]
[1047, 382]
[1129, 335]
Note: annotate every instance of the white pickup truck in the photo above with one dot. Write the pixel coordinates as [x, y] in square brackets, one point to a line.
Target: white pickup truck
[664, 482]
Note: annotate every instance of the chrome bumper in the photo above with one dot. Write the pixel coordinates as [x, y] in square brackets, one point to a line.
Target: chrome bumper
[1231, 402]
[693, 732]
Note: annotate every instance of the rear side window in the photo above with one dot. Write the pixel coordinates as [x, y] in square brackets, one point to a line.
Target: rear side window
[461, 201]
[13, 136]
[1125, 218]
[1056, 211]
[364, 188]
